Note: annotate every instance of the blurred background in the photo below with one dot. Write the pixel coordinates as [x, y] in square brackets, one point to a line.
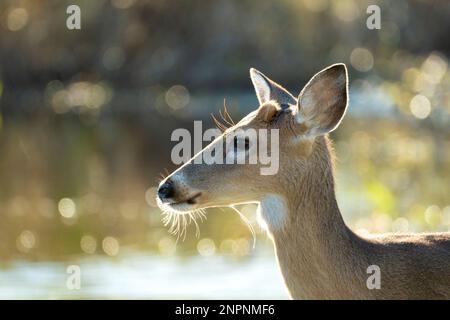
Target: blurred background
[86, 117]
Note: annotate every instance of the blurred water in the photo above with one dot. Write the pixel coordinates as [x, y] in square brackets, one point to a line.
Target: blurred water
[135, 275]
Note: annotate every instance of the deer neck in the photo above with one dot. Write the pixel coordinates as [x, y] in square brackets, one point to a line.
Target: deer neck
[314, 247]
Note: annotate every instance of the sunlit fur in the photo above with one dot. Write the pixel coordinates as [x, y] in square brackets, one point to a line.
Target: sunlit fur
[319, 256]
[177, 221]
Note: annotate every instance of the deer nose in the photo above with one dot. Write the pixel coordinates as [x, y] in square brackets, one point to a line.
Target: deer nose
[166, 190]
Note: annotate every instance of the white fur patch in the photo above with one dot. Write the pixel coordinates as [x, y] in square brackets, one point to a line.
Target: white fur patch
[272, 212]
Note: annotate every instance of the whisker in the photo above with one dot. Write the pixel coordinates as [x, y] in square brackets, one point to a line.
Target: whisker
[202, 214]
[197, 228]
[163, 175]
[248, 224]
[178, 223]
[229, 124]
[225, 110]
[225, 117]
[218, 124]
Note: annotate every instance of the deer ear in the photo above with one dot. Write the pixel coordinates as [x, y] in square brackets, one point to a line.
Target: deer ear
[267, 89]
[261, 84]
[323, 101]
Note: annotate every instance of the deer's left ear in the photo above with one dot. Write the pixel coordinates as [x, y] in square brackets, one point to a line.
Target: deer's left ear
[267, 89]
[323, 101]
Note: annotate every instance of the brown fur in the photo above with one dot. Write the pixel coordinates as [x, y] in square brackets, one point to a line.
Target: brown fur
[319, 256]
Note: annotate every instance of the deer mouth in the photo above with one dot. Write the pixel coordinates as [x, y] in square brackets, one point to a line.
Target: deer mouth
[186, 204]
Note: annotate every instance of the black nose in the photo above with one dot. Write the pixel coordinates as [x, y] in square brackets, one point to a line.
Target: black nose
[166, 190]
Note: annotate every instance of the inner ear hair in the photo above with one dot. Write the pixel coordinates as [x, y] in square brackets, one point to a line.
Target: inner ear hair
[323, 101]
[268, 111]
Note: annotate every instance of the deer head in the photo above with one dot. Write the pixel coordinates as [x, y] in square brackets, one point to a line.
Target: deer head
[295, 124]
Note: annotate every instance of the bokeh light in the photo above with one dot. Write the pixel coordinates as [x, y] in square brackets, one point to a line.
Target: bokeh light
[206, 247]
[17, 19]
[177, 97]
[433, 215]
[88, 244]
[346, 10]
[150, 196]
[26, 241]
[316, 5]
[110, 246]
[167, 246]
[67, 208]
[420, 106]
[361, 59]
[400, 225]
[113, 58]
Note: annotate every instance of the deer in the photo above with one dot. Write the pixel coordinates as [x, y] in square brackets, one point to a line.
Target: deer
[319, 256]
